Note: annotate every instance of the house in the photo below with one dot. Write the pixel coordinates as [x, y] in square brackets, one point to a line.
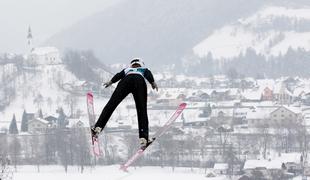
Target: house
[251, 95]
[267, 94]
[234, 93]
[168, 102]
[240, 114]
[221, 116]
[219, 95]
[306, 117]
[264, 166]
[171, 82]
[274, 116]
[281, 94]
[38, 125]
[306, 98]
[199, 122]
[300, 93]
[259, 117]
[285, 115]
[51, 119]
[44, 56]
[199, 96]
[220, 168]
[293, 162]
[291, 83]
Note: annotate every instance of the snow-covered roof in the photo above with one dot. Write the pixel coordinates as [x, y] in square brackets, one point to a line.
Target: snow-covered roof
[44, 50]
[275, 162]
[259, 104]
[172, 93]
[296, 110]
[260, 113]
[220, 166]
[234, 91]
[253, 163]
[40, 120]
[252, 94]
[280, 88]
[242, 111]
[290, 158]
[300, 91]
[226, 103]
[192, 115]
[226, 111]
[75, 121]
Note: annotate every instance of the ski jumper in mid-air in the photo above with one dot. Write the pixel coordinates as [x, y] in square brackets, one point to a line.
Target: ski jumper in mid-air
[132, 80]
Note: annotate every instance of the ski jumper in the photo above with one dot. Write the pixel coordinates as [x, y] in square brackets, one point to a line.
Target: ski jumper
[131, 81]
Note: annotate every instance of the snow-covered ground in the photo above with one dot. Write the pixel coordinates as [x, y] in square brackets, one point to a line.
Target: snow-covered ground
[110, 173]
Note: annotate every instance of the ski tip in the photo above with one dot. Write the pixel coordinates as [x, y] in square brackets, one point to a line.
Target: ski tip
[90, 94]
[183, 105]
[123, 168]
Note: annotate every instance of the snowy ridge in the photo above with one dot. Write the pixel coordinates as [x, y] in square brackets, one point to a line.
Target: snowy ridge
[260, 32]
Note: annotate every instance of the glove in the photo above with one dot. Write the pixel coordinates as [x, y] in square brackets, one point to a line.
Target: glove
[107, 84]
[154, 86]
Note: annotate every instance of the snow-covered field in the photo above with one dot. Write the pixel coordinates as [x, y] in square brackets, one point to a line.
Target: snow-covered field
[110, 173]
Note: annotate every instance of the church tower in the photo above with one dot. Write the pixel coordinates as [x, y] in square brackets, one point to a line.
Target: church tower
[30, 39]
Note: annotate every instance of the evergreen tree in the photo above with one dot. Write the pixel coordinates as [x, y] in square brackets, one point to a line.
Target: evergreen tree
[13, 126]
[24, 125]
[61, 120]
[40, 113]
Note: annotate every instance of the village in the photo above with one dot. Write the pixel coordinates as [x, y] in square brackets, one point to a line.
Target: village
[232, 126]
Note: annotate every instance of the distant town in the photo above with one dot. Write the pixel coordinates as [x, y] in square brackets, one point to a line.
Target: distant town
[233, 125]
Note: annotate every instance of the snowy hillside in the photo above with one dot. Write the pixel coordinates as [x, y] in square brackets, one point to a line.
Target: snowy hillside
[39, 90]
[39, 81]
[271, 32]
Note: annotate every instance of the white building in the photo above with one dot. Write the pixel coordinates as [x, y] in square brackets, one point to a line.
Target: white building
[44, 56]
[38, 125]
[259, 117]
[220, 168]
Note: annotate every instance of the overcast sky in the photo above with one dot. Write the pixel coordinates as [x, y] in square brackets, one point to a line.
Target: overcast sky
[45, 17]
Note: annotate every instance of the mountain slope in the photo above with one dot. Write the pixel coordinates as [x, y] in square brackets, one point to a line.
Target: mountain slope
[270, 32]
[158, 31]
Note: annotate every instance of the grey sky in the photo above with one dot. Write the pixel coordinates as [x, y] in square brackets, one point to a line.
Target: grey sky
[45, 17]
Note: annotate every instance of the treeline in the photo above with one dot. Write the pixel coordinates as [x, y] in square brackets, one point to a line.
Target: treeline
[293, 63]
[84, 65]
[56, 146]
[180, 147]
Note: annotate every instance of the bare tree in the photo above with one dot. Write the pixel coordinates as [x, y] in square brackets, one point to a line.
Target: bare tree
[38, 100]
[36, 150]
[14, 149]
[265, 138]
[63, 147]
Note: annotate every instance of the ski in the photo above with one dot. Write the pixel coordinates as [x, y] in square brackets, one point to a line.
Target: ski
[91, 116]
[158, 134]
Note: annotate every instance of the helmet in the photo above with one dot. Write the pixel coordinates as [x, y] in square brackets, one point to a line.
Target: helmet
[137, 61]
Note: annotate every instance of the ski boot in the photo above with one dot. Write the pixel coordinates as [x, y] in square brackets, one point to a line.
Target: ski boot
[145, 143]
[95, 131]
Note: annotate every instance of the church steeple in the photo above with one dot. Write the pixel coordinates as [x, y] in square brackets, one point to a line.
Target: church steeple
[29, 38]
